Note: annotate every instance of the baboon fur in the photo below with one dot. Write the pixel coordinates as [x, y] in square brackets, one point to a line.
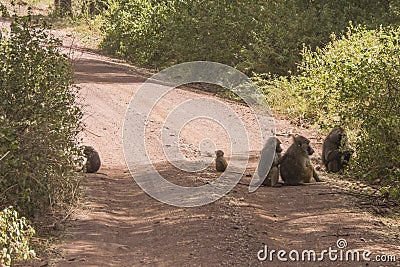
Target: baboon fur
[335, 151]
[272, 177]
[220, 161]
[295, 164]
[93, 159]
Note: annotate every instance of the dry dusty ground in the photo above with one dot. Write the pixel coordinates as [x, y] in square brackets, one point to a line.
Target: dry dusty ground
[117, 224]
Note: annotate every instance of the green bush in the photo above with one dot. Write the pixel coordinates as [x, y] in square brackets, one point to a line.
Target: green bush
[354, 82]
[253, 36]
[15, 234]
[135, 33]
[280, 29]
[39, 120]
[283, 96]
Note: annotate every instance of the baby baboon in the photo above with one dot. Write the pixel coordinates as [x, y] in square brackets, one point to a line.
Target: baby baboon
[295, 164]
[271, 179]
[335, 151]
[220, 161]
[93, 159]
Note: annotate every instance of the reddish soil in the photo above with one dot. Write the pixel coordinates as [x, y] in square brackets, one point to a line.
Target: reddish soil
[118, 224]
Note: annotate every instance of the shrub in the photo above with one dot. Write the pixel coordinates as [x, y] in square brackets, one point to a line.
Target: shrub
[15, 234]
[39, 120]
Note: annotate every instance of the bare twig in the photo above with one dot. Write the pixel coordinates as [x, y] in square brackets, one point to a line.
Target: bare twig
[5, 191]
[93, 133]
[5, 155]
[283, 134]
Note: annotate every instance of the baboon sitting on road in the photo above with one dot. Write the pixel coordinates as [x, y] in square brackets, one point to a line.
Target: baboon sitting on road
[93, 159]
[220, 161]
[271, 179]
[335, 151]
[295, 164]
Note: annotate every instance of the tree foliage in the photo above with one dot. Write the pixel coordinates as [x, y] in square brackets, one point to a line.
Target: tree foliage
[63, 7]
[263, 36]
[15, 235]
[39, 120]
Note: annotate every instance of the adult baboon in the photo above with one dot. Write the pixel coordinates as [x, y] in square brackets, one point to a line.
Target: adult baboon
[335, 151]
[220, 161]
[295, 164]
[273, 145]
[93, 159]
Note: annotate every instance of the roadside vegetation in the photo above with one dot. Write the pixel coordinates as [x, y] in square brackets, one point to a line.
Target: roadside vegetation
[39, 120]
[253, 36]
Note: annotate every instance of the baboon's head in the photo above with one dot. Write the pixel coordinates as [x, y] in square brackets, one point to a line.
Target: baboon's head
[337, 136]
[304, 144]
[219, 153]
[88, 150]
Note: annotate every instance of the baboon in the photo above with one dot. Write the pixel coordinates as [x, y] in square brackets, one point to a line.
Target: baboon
[220, 161]
[295, 164]
[93, 159]
[335, 151]
[272, 177]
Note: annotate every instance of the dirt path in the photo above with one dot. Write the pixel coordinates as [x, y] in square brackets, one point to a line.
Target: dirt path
[120, 225]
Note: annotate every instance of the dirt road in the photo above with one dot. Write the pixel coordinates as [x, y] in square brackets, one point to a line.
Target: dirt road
[120, 225]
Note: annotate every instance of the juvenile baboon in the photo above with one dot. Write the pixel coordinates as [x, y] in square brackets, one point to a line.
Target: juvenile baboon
[93, 159]
[220, 161]
[272, 177]
[335, 151]
[295, 164]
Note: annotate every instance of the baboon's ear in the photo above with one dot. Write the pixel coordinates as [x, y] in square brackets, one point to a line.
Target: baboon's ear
[296, 140]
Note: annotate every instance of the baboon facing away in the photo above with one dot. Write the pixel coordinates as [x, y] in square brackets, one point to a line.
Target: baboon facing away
[295, 164]
[335, 151]
[220, 161]
[272, 177]
[93, 159]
